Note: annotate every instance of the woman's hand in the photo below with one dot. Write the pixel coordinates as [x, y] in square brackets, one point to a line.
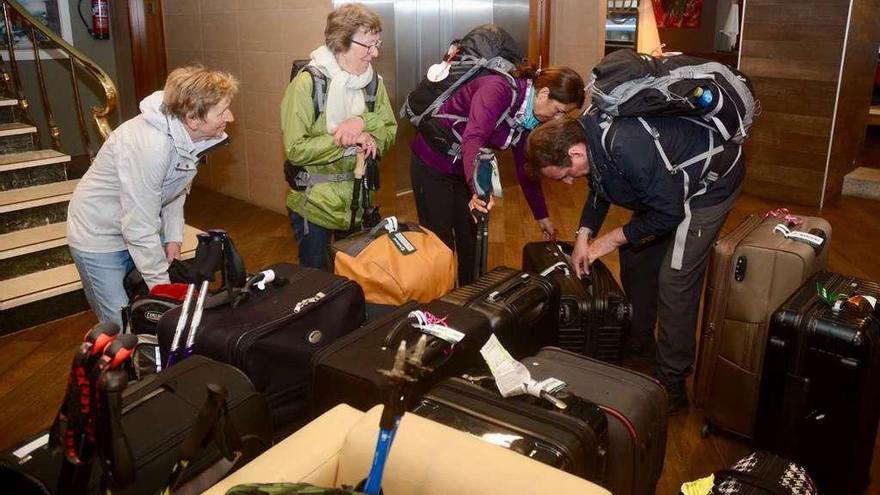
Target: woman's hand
[481, 206]
[348, 131]
[367, 143]
[172, 251]
[548, 230]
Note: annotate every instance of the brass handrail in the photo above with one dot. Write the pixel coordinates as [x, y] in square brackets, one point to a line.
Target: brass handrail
[110, 96]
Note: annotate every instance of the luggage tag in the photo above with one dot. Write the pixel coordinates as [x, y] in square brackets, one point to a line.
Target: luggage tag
[797, 235]
[436, 327]
[511, 376]
[397, 238]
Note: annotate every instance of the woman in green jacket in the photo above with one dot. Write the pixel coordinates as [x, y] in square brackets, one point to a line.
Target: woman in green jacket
[325, 145]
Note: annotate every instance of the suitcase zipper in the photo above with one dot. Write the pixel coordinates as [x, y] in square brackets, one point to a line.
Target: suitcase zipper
[302, 307]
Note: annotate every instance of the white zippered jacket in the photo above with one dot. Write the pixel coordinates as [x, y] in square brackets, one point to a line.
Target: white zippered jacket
[132, 195]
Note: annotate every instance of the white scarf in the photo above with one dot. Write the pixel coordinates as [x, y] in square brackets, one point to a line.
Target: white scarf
[345, 96]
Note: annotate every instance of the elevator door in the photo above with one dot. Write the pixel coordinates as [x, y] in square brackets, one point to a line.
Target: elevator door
[417, 34]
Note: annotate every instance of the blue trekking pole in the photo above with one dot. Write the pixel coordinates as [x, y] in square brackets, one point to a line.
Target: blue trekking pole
[393, 410]
[486, 183]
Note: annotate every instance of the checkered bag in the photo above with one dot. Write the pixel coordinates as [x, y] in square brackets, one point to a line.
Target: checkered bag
[763, 473]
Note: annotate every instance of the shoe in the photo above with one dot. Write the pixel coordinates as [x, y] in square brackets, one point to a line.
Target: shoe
[678, 399]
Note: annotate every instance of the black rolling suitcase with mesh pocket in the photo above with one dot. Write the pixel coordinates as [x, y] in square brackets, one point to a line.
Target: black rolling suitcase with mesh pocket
[574, 440]
[273, 334]
[345, 372]
[820, 389]
[523, 308]
[594, 313]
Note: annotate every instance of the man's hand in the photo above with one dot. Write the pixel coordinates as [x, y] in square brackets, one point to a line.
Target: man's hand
[348, 131]
[580, 259]
[481, 206]
[367, 143]
[549, 231]
[172, 251]
[606, 244]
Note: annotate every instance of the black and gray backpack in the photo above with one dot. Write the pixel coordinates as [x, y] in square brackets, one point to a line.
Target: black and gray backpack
[486, 49]
[710, 94]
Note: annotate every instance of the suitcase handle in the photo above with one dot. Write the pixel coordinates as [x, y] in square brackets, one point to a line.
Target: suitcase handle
[392, 334]
[561, 266]
[517, 282]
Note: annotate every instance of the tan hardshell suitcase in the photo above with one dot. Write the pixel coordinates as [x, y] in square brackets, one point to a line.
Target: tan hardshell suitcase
[752, 270]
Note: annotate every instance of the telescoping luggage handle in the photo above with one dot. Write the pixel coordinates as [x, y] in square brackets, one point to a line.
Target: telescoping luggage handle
[521, 280]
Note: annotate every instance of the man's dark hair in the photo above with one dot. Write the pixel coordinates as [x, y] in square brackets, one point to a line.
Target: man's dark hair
[549, 144]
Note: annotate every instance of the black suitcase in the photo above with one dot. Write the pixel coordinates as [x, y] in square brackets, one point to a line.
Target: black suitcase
[594, 313]
[574, 441]
[635, 406]
[820, 392]
[273, 335]
[345, 372]
[522, 308]
[157, 415]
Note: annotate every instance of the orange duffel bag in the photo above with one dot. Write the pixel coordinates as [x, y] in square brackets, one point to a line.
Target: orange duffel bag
[396, 262]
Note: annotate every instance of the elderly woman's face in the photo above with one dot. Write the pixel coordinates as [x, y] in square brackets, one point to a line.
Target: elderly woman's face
[214, 123]
[363, 49]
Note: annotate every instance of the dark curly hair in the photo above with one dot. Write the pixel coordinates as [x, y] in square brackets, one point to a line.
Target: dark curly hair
[549, 144]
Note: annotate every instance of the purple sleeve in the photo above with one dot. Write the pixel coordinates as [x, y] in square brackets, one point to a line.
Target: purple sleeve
[487, 105]
[531, 189]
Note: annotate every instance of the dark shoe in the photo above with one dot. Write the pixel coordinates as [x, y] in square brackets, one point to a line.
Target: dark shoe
[678, 399]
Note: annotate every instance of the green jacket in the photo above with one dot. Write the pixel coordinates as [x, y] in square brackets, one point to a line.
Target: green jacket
[308, 144]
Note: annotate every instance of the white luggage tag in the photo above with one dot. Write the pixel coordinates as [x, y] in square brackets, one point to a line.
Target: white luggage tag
[435, 327]
[798, 235]
[513, 378]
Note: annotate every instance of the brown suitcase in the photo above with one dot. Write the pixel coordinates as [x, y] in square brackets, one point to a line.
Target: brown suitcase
[752, 271]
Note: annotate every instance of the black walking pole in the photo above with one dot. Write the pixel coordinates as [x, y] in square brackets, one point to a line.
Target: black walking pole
[484, 169]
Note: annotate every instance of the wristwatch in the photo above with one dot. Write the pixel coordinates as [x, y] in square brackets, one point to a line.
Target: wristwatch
[583, 231]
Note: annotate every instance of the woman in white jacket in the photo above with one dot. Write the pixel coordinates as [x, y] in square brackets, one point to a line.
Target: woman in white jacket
[127, 210]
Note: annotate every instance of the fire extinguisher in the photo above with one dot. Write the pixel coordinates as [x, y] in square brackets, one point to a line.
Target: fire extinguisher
[100, 29]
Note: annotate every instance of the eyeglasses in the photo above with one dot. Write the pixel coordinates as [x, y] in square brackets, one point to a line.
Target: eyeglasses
[376, 45]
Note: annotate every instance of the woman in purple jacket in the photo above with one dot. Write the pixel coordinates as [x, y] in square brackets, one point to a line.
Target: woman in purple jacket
[442, 181]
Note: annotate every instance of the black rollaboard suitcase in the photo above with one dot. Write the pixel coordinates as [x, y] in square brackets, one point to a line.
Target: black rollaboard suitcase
[273, 334]
[157, 416]
[345, 372]
[635, 406]
[522, 308]
[594, 314]
[575, 442]
[820, 391]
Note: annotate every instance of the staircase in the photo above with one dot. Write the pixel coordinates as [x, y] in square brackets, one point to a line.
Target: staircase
[38, 280]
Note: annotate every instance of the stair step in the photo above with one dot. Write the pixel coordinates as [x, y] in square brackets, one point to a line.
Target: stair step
[15, 129]
[862, 182]
[21, 242]
[44, 284]
[28, 159]
[8, 102]
[30, 197]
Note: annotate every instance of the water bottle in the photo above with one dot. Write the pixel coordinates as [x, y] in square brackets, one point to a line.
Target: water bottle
[704, 96]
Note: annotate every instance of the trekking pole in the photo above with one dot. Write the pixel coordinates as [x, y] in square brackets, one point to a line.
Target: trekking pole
[359, 171]
[485, 175]
[113, 357]
[395, 405]
[196, 320]
[204, 250]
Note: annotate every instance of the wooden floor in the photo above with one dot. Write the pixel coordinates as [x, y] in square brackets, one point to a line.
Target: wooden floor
[34, 363]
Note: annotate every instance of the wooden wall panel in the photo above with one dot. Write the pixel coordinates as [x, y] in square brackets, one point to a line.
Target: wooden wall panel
[792, 51]
[855, 92]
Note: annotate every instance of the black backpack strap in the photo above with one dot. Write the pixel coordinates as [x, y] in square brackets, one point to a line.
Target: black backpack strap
[371, 90]
[319, 89]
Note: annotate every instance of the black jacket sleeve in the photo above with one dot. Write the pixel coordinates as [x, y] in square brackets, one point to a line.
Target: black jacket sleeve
[594, 212]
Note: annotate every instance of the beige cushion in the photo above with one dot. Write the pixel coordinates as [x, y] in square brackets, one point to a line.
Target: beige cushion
[426, 458]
